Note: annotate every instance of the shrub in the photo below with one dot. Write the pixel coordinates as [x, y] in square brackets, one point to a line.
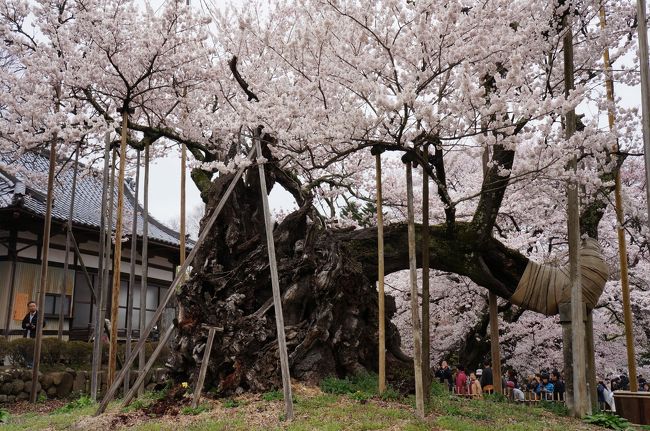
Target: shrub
[607, 420]
[559, 409]
[333, 385]
[273, 396]
[230, 403]
[4, 416]
[21, 351]
[77, 353]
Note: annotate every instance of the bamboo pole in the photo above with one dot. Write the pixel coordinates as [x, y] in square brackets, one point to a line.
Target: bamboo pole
[171, 291]
[42, 285]
[68, 232]
[620, 219]
[275, 285]
[145, 263]
[580, 398]
[380, 273]
[98, 318]
[426, 336]
[204, 367]
[415, 315]
[117, 253]
[134, 255]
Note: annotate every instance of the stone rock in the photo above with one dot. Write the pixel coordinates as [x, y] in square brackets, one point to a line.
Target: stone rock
[64, 388]
[47, 381]
[3, 398]
[28, 387]
[22, 396]
[26, 375]
[5, 388]
[79, 383]
[56, 378]
[51, 392]
[11, 398]
[17, 386]
[150, 387]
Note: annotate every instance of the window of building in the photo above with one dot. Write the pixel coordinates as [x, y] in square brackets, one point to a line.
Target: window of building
[52, 306]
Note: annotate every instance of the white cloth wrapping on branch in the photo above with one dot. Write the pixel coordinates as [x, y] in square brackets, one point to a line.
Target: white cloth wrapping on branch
[543, 287]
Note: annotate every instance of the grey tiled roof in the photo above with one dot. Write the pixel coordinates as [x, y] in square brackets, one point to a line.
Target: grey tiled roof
[31, 170]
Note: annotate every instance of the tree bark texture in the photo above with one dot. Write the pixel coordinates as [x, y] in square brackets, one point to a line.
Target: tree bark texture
[327, 280]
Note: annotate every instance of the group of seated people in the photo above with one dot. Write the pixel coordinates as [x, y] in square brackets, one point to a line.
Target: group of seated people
[541, 386]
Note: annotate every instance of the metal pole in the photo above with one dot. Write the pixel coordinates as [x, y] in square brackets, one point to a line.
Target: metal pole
[98, 324]
[275, 285]
[620, 231]
[44, 266]
[380, 274]
[145, 262]
[68, 232]
[172, 289]
[426, 337]
[117, 253]
[415, 315]
[580, 404]
[134, 248]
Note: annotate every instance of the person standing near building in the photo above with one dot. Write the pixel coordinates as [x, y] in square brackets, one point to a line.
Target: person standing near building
[30, 320]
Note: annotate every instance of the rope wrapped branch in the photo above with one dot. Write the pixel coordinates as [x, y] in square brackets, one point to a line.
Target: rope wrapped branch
[543, 287]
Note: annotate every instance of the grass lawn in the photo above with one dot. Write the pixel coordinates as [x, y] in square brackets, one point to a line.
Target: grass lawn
[337, 405]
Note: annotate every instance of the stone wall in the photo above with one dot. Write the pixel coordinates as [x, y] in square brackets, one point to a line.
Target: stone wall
[16, 384]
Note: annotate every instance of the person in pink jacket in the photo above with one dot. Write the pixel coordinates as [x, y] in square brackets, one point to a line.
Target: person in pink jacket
[461, 381]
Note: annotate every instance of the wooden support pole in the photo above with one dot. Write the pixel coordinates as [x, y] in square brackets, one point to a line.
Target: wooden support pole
[567, 352]
[591, 360]
[13, 255]
[620, 219]
[275, 285]
[68, 232]
[380, 272]
[134, 255]
[413, 275]
[183, 217]
[494, 343]
[140, 380]
[171, 291]
[117, 253]
[204, 367]
[426, 294]
[98, 317]
[42, 285]
[145, 262]
[580, 398]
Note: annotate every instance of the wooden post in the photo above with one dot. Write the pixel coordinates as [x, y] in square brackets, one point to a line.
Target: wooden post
[171, 291]
[42, 285]
[98, 318]
[204, 367]
[182, 222]
[580, 400]
[494, 343]
[140, 380]
[591, 360]
[145, 262]
[68, 232]
[415, 317]
[426, 336]
[134, 249]
[567, 352]
[275, 285]
[13, 255]
[117, 253]
[622, 242]
[380, 271]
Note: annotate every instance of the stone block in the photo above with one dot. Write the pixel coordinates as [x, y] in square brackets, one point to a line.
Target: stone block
[51, 392]
[26, 375]
[28, 387]
[79, 383]
[5, 388]
[11, 398]
[3, 398]
[47, 381]
[22, 396]
[150, 387]
[56, 378]
[17, 386]
[64, 388]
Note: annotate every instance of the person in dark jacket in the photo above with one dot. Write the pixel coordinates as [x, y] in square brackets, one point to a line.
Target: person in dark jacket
[444, 375]
[559, 386]
[486, 377]
[30, 320]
